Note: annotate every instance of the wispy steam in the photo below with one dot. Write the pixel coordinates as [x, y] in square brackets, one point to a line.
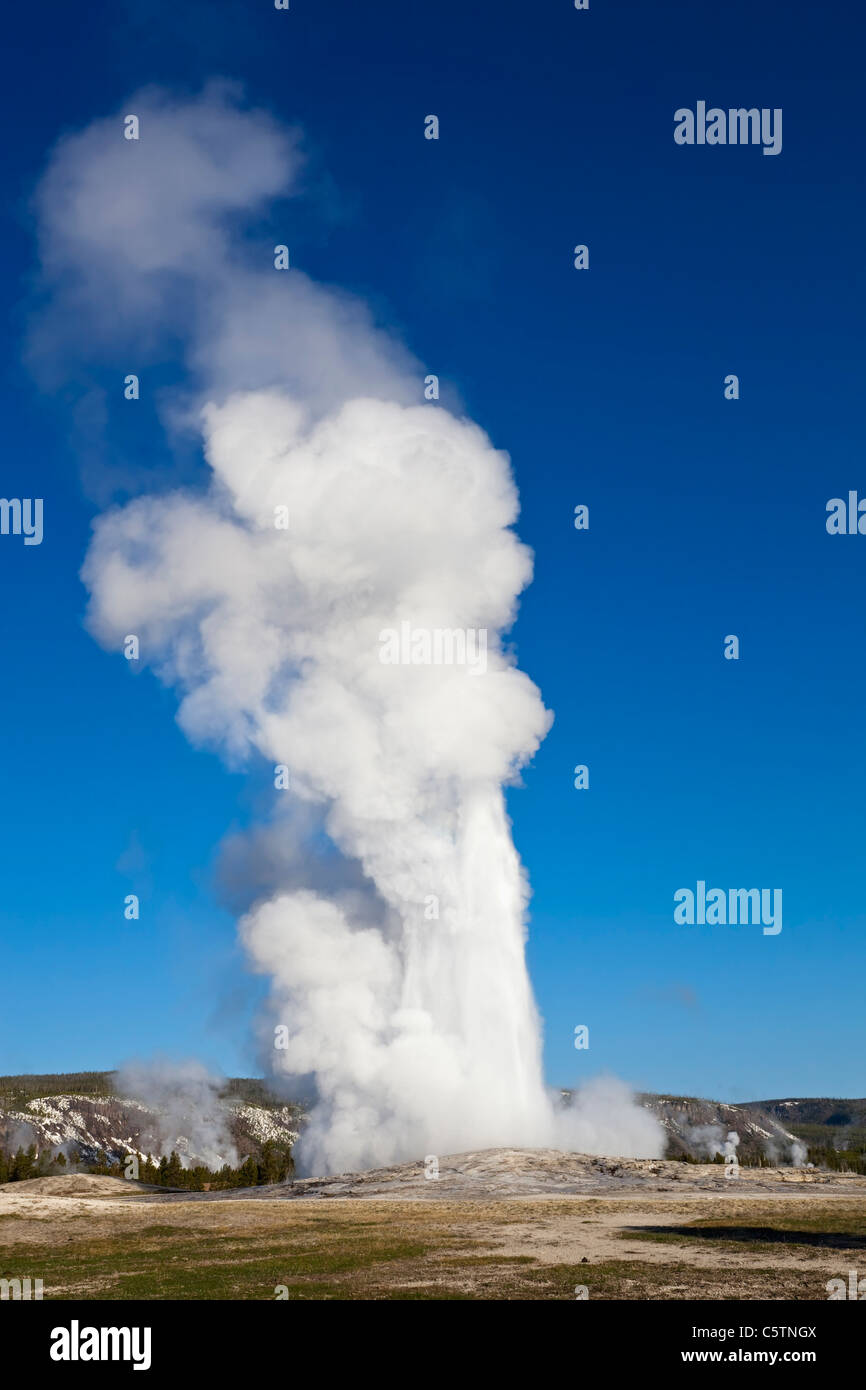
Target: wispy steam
[712, 1140]
[185, 1098]
[797, 1152]
[402, 985]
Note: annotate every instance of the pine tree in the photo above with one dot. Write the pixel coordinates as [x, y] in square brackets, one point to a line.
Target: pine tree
[248, 1173]
[174, 1171]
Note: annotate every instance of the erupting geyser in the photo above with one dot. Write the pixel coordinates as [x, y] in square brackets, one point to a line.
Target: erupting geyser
[336, 512]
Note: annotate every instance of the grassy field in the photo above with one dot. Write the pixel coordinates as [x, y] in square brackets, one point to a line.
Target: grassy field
[534, 1249]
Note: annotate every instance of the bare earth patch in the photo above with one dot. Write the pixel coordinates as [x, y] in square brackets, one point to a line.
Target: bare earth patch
[501, 1225]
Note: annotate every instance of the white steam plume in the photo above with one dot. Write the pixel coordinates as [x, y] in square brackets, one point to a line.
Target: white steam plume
[798, 1153]
[712, 1140]
[190, 1117]
[421, 1030]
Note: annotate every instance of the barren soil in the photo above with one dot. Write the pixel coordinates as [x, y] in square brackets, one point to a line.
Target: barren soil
[502, 1224]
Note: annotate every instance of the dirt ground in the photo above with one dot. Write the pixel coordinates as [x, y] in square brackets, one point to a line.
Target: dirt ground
[103, 1238]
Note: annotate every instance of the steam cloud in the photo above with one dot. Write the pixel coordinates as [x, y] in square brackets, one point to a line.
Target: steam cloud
[798, 1153]
[191, 1119]
[712, 1140]
[421, 1031]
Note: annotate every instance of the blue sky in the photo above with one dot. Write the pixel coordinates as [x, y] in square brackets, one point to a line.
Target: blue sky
[606, 387]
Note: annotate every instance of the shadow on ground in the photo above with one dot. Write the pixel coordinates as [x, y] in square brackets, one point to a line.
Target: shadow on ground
[770, 1235]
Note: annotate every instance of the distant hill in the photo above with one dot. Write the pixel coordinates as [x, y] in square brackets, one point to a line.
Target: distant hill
[832, 1131]
[822, 1110]
[252, 1090]
[82, 1115]
[820, 1122]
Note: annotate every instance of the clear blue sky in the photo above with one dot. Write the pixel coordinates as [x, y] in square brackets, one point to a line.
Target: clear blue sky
[707, 516]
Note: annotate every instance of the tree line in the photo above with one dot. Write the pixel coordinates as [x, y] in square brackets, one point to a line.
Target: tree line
[274, 1164]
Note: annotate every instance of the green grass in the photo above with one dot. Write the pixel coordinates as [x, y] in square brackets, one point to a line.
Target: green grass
[330, 1263]
[206, 1266]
